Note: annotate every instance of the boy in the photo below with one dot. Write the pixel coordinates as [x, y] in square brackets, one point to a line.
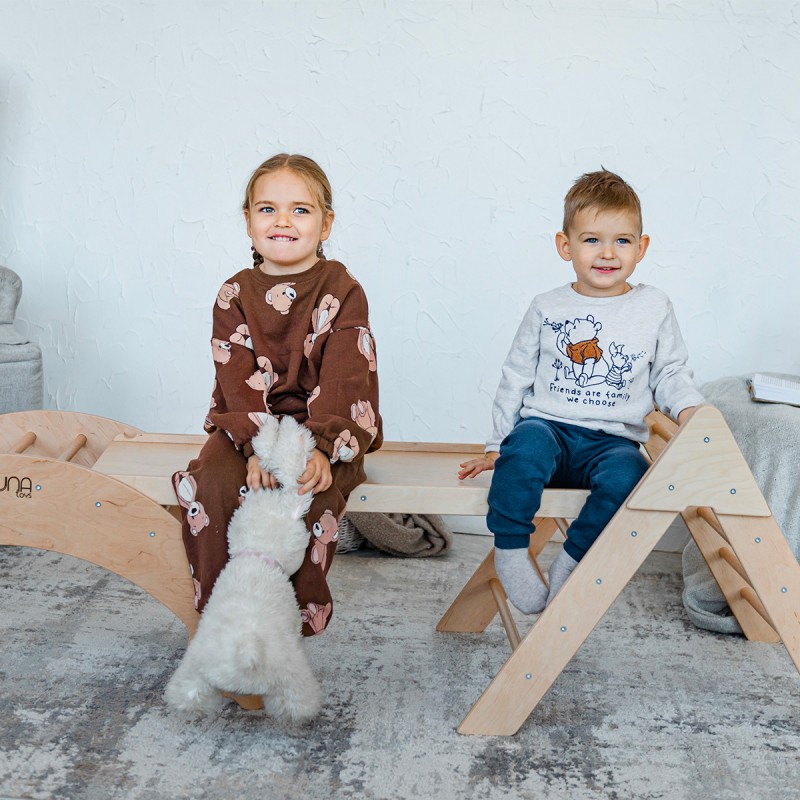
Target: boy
[585, 368]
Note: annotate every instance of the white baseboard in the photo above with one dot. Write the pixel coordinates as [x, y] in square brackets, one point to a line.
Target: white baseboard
[673, 541]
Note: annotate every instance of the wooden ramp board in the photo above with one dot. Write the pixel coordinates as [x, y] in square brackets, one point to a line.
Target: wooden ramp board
[413, 477]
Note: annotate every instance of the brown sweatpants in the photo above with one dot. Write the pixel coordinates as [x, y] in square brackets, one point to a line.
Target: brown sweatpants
[212, 488]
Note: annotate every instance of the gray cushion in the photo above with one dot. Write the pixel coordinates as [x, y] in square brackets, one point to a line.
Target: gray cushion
[20, 359]
[10, 292]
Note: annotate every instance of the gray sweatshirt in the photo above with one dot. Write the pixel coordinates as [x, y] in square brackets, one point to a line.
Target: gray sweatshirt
[597, 362]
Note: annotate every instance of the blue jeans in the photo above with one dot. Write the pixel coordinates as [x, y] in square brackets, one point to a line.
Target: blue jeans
[539, 453]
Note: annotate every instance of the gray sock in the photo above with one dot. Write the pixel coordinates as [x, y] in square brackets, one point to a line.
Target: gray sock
[523, 586]
[560, 570]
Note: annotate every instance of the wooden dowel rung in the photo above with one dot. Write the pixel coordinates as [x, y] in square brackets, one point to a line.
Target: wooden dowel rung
[537, 568]
[707, 515]
[659, 430]
[562, 525]
[728, 556]
[505, 613]
[747, 593]
[24, 443]
[75, 445]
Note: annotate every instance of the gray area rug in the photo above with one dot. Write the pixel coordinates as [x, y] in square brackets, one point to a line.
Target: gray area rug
[651, 707]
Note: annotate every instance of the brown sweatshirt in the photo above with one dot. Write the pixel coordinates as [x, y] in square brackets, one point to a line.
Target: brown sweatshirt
[299, 345]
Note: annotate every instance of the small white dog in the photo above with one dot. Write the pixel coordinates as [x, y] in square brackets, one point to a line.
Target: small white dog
[249, 638]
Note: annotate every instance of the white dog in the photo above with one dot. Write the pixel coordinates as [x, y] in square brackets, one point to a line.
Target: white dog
[249, 638]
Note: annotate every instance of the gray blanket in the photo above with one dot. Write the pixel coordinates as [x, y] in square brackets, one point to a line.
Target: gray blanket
[768, 435]
[410, 535]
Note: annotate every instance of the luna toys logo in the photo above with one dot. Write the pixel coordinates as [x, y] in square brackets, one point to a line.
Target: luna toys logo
[21, 487]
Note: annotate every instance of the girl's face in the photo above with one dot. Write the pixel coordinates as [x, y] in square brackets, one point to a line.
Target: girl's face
[286, 223]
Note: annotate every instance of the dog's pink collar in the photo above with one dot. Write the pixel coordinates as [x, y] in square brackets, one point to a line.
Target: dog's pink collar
[263, 556]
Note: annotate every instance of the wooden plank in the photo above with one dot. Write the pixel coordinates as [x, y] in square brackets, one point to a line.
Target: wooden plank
[773, 572]
[474, 608]
[195, 440]
[464, 450]
[147, 462]
[397, 480]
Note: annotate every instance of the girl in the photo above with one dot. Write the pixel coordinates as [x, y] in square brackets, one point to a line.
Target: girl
[291, 336]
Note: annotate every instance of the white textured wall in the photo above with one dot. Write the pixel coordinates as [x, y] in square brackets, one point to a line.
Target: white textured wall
[450, 131]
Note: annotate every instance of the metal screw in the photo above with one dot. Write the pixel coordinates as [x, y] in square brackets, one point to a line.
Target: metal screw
[38, 487]
[528, 676]
[784, 589]
[598, 581]
[758, 540]
[563, 629]
[672, 487]
[98, 504]
[363, 498]
[152, 534]
[733, 491]
[706, 440]
[634, 534]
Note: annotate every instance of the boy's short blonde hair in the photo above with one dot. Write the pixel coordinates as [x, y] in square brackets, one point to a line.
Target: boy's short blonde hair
[603, 191]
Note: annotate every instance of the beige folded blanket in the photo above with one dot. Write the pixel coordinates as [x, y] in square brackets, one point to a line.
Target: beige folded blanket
[410, 535]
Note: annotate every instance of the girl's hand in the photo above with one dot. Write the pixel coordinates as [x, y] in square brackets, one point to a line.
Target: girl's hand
[685, 414]
[257, 477]
[317, 475]
[473, 467]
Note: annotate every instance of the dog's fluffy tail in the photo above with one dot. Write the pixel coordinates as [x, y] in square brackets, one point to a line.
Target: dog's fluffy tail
[249, 653]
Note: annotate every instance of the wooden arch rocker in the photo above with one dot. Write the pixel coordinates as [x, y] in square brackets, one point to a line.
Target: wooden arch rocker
[55, 499]
[697, 472]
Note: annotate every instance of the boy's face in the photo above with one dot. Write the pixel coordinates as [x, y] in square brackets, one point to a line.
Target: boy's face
[604, 248]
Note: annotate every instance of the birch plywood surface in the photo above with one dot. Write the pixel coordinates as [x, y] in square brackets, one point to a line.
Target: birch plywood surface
[73, 510]
[422, 479]
[706, 469]
[147, 462]
[56, 430]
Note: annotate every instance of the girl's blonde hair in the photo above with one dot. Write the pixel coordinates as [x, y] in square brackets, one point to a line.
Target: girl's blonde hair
[308, 169]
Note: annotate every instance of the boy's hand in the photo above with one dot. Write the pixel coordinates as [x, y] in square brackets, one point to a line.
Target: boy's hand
[473, 467]
[317, 475]
[685, 414]
[257, 477]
